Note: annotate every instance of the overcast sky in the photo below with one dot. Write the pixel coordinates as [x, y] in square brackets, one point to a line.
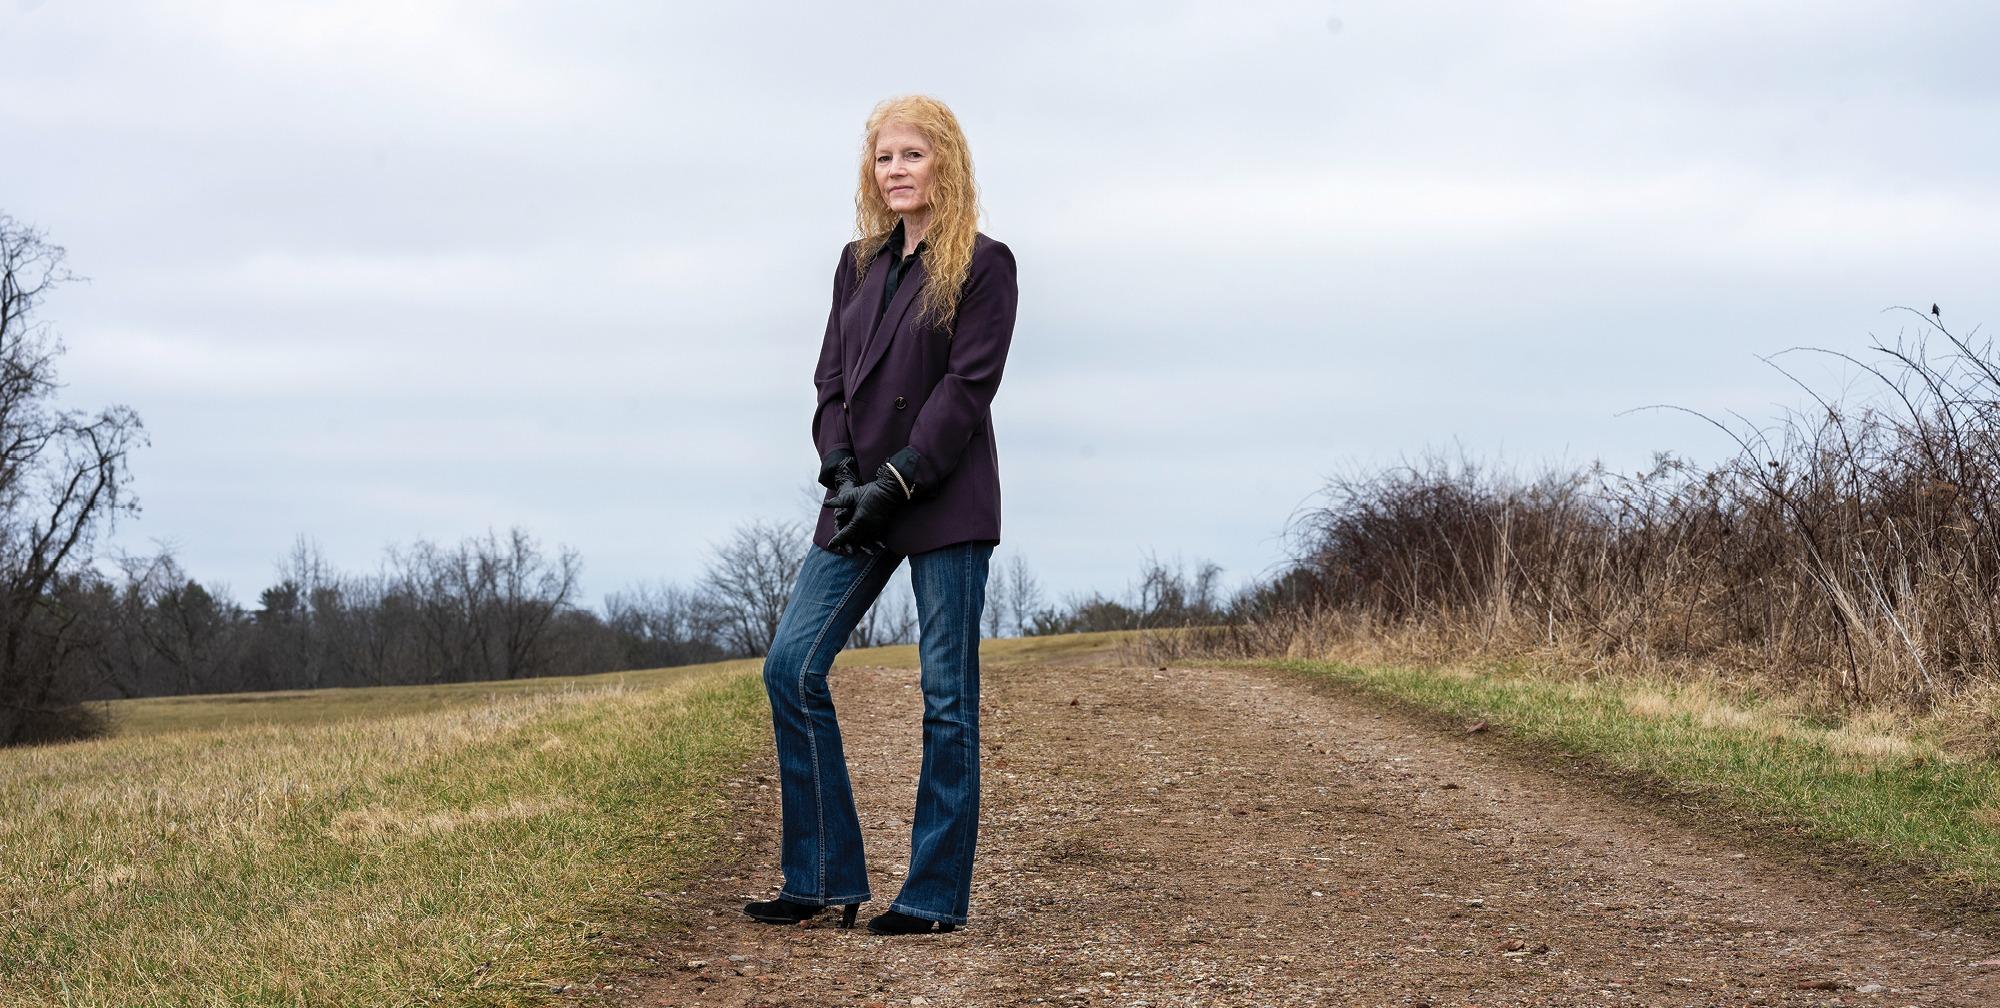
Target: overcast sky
[375, 271]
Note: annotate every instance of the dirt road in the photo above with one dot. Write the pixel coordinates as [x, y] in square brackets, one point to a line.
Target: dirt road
[1200, 836]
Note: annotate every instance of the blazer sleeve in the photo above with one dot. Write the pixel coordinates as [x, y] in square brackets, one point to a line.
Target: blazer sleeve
[960, 401]
[829, 424]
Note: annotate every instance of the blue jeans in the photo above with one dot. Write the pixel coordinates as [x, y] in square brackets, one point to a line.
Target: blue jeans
[821, 849]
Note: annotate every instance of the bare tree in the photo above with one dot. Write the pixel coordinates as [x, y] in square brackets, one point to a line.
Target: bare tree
[1024, 593]
[486, 608]
[448, 603]
[532, 594]
[660, 625]
[891, 619]
[63, 475]
[292, 619]
[182, 625]
[996, 600]
[129, 664]
[749, 579]
[1167, 596]
[367, 628]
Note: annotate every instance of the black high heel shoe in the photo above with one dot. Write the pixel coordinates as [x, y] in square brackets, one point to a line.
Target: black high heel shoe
[898, 922]
[784, 911]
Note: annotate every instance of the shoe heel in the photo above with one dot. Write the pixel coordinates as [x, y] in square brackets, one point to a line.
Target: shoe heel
[847, 914]
[943, 927]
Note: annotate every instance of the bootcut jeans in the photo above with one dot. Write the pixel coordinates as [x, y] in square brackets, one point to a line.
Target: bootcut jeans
[821, 847]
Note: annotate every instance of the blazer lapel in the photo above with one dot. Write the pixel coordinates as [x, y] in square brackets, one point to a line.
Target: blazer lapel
[854, 320]
[892, 316]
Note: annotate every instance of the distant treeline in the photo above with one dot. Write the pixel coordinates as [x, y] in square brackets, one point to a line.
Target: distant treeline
[500, 607]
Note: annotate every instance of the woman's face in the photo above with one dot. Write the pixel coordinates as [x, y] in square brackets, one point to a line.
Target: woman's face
[903, 168]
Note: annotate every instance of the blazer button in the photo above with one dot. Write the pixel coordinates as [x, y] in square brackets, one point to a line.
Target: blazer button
[843, 405]
[899, 402]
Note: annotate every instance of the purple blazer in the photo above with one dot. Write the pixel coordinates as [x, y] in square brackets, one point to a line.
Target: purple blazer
[883, 387]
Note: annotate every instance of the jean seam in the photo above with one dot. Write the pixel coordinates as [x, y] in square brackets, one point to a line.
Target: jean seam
[812, 736]
[966, 742]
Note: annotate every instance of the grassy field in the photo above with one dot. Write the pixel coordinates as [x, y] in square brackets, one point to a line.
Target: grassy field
[396, 846]
[457, 844]
[472, 844]
[1871, 789]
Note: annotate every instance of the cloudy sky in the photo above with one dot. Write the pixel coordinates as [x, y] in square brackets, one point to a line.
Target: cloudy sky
[375, 271]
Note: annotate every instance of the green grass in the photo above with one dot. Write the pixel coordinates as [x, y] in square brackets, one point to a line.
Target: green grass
[1869, 786]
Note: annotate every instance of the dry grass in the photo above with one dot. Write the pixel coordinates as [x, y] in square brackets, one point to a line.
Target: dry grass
[460, 844]
[463, 855]
[1847, 557]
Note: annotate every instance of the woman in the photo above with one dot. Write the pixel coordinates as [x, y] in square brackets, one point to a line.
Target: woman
[923, 311]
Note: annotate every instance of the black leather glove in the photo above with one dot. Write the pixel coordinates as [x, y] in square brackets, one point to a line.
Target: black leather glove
[838, 472]
[876, 502]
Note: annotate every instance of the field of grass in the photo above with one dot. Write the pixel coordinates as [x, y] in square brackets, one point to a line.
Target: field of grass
[1870, 786]
[474, 843]
[408, 845]
[158, 715]
[449, 845]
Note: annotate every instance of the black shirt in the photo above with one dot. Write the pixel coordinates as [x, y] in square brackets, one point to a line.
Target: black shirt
[899, 264]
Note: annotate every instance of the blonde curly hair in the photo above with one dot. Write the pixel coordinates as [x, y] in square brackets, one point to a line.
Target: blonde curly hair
[954, 202]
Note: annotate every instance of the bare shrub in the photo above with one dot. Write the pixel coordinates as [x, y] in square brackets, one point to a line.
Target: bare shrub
[1849, 553]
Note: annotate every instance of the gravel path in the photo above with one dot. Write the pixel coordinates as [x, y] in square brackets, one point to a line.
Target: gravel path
[1200, 836]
